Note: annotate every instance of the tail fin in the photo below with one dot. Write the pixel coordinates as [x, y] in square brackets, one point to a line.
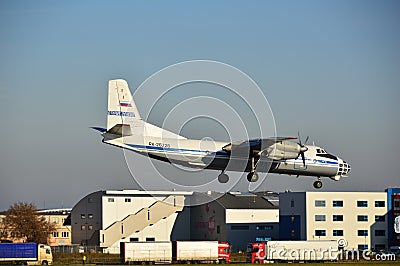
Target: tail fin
[122, 113]
[121, 107]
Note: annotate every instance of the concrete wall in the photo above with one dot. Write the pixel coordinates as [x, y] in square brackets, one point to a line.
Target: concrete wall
[208, 222]
[86, 219]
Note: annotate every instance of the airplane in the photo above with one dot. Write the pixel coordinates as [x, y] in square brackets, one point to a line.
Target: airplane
[280, 155]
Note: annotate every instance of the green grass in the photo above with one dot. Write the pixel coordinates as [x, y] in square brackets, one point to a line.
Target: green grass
[237, 260]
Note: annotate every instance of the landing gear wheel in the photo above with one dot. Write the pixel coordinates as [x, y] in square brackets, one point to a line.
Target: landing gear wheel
[223, 178]
[252, 177]
[317, 184]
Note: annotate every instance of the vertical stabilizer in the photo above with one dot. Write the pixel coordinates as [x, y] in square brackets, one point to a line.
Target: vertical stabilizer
[123, 116]
[121, 107]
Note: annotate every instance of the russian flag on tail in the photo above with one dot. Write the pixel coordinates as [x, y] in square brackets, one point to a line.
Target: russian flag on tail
[125, 104]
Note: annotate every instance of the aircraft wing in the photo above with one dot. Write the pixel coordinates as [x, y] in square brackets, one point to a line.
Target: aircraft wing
[253, 146]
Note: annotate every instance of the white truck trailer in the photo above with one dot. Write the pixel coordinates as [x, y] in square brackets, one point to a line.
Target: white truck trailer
[175, 252]
[195, 251]
[146, 252]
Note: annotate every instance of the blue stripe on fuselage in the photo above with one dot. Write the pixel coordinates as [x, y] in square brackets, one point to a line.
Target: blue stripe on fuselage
[176, 150]
[217, 153]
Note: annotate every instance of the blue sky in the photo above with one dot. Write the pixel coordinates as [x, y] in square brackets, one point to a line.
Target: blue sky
[329, 69]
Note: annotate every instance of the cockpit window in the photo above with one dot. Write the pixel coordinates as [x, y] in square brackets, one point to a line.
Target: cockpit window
[327, 155]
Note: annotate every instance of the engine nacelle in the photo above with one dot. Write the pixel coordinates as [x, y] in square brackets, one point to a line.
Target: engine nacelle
[283, 150]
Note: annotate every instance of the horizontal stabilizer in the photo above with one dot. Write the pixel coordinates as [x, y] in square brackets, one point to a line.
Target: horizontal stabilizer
[120, 130]
[100, 129]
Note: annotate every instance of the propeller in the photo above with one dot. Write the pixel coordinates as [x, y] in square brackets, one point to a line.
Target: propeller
[303, 148]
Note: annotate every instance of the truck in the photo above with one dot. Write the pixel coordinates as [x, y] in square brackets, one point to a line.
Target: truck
[292, 251]
[25, 253]
[174, 252]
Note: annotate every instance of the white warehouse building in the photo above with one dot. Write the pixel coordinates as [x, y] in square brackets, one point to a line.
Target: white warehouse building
[358, 217]
[105, 218]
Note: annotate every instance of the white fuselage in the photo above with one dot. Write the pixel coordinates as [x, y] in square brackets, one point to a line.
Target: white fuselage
[210, 155]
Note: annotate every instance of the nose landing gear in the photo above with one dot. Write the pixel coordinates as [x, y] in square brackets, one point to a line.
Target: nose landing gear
[252, 176]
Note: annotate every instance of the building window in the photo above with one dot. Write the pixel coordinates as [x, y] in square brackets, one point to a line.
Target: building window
[320, 203]
[337, 232]
[292, 203]
[379, 203]
[320, 232]
[90, 227]
[127, 200]
[110, 199]
[55, 234]
[362, 246]
[134, 239]
[380, 233]
[83, 227]
[320, 218]
[362, 232]
[337, 218]
[55, 220]
[338, 203]
[362, 203]
[362, 218]
[239, 227]
[65, 234]
[83, 216]
[150, 239]
[90, 216]
[379, 218]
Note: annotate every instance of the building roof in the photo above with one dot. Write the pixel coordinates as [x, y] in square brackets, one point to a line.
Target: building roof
[239, 200]
[64, 211]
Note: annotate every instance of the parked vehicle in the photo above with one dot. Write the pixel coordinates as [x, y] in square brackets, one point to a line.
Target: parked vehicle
[175, 252]
[25, 253]
[299, 251]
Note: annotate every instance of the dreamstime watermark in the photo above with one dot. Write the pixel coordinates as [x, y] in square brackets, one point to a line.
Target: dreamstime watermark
[200, 94]
[275, 251]
[330, 253]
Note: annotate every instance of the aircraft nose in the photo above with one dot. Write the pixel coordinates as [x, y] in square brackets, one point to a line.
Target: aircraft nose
[344, 168]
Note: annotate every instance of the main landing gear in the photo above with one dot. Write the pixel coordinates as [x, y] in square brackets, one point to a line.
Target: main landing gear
[318, 184]
[223, 178]
[253, 176]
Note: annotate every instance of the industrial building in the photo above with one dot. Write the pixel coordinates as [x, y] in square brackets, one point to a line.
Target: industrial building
[106, 218]
[365, 220]
[236, 217]
[358, 217]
